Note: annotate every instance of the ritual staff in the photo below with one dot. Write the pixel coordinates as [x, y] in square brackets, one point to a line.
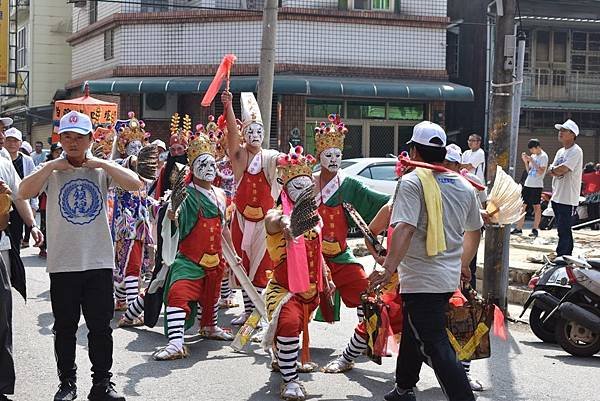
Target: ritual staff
[254, 170]
[195, 276]
[297, 279]
[130, 217]
[333, 189]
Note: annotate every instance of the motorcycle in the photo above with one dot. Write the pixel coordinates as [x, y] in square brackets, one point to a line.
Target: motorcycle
[548, 285]
[547, 219]
[578, 325]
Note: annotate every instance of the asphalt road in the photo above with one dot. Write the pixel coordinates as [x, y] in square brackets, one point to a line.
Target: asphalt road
[521, 368]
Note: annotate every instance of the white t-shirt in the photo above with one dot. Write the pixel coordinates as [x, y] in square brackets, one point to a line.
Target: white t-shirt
[534, 180]
[4, 153]
[418, 272]
[566, 188]
[10, 177]
[78, 231]
[477, 160]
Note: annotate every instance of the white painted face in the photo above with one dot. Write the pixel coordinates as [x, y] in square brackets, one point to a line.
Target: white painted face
[296, 185]
[254, 134]
[133, 148]
[331, 159]
[205, 167]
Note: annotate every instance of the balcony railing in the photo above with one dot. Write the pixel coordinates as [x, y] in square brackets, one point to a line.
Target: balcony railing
[573, 86]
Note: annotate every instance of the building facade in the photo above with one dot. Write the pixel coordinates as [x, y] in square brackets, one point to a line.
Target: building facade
[381, 64]
[561, 71]
[40, 64]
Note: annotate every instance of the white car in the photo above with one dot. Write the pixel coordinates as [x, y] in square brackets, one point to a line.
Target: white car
[377, 173]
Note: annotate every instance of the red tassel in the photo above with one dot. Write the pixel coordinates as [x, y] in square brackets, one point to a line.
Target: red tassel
[457, 299]
[499, 326]
[385, 331]
[222, 73]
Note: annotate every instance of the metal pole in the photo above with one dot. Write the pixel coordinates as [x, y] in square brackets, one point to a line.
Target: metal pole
[495, 274]
[516, 106]
[266, 69]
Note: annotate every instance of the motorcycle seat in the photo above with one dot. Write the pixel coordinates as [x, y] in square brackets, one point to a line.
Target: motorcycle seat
[595, 263]
[559, 261]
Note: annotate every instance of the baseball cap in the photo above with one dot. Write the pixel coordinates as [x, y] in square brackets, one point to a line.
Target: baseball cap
[27, 146]
[453, 153]
[570, 125]
[76, 122]
[13, 133]
[6, 121]
[428, 134]
[159, 144]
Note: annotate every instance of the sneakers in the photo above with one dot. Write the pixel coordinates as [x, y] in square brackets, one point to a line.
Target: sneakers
[534, 233]
[67, 391]
[475, 384]
[4, 397]
[43, 254]
[516, 231]
[400, 395]
[104, 391]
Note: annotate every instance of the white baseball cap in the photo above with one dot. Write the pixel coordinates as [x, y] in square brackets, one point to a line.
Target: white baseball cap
[27, 146]
[428, 134]
[6, 121]
[570, 125]
[76, 122]
[13, 133]
[453, 153]
[159, 144]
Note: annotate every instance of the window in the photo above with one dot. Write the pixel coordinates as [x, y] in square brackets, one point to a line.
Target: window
[367, 111]
[109, 37]
[386, 172]
[93, 11]
[22, 47]
[323, 108]
[154, 6]
[542, 49]
[372, 5]
[406, 112]
[585, 52]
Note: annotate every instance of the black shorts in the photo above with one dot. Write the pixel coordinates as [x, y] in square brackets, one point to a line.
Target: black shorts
[531, 196]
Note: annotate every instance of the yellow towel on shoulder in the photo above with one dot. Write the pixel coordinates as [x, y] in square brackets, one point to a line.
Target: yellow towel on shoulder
[436, 240]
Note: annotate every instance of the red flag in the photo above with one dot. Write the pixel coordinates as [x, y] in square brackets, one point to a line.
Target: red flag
[222, 74]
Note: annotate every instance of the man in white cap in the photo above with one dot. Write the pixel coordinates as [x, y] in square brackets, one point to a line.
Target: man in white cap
[80, 252]
[434, 239]
[24, 166]
[566, 184]
[5, 123]
[162, 153]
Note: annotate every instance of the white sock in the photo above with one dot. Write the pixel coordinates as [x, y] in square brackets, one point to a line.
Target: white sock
[131, 288]
[287, 356]
[135, 309]
[355, 347]
[175, 326]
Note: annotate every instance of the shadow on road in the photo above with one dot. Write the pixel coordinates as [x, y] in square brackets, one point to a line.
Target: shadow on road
[592, 362]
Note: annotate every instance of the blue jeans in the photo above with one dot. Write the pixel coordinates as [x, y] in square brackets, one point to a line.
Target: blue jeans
[564, 215]
[424, 339]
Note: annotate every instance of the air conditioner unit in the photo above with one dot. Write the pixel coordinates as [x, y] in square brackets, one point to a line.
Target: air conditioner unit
[159, 106]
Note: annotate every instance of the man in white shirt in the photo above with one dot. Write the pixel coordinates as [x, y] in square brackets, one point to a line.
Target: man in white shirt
[5, 122]
[566, 184]
[535, 165]
[474, 158]
[38, 156]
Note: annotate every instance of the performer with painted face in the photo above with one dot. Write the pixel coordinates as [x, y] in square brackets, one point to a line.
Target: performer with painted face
[293, 292]
[131, 217]
[334, 188]
[254, 171]
[195, 276]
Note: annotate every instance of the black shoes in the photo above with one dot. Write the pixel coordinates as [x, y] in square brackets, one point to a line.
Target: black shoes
[400, 395]
[104, 391]
[516, 231]
[4, 397]
[534, 233]
[67, 391]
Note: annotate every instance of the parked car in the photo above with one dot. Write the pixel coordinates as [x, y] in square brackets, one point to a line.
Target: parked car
[377, 173]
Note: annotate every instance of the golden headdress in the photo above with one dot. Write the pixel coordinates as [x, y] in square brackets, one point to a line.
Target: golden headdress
[295, 164]
[330, 136]
[202, 142]
[104, 138]
[180, 135]
[214, 134]
[129, 131]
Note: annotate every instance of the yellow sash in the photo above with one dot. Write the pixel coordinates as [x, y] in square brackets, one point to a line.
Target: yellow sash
[436, 240]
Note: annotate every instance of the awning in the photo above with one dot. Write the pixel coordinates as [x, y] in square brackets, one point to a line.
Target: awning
[559, 106]
[295, 85]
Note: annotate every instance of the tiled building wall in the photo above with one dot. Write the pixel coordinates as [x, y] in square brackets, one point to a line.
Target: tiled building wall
[293, 115]
[88, 56]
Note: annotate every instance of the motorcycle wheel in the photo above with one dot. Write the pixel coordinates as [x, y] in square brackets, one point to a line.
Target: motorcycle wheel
[576, 348]
[544, 332]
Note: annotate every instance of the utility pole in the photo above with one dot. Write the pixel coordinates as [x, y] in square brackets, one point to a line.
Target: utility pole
[495, 273]
[516, 110]
[266, 69]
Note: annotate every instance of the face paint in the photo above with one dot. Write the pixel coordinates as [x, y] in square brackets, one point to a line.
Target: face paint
[205, 167]
[331, 159]
[297, 185]
[254, 134]
[133, 148]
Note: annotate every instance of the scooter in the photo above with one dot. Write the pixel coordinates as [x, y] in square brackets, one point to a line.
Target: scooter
[548, 285]
[578, 325]
[547, 220]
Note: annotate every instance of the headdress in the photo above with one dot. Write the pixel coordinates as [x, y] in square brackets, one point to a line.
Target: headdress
[330, 136]
[129, 131]
[250, 110]
[104, 138]
[295, 164]
[180, 135]
[203, 141]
